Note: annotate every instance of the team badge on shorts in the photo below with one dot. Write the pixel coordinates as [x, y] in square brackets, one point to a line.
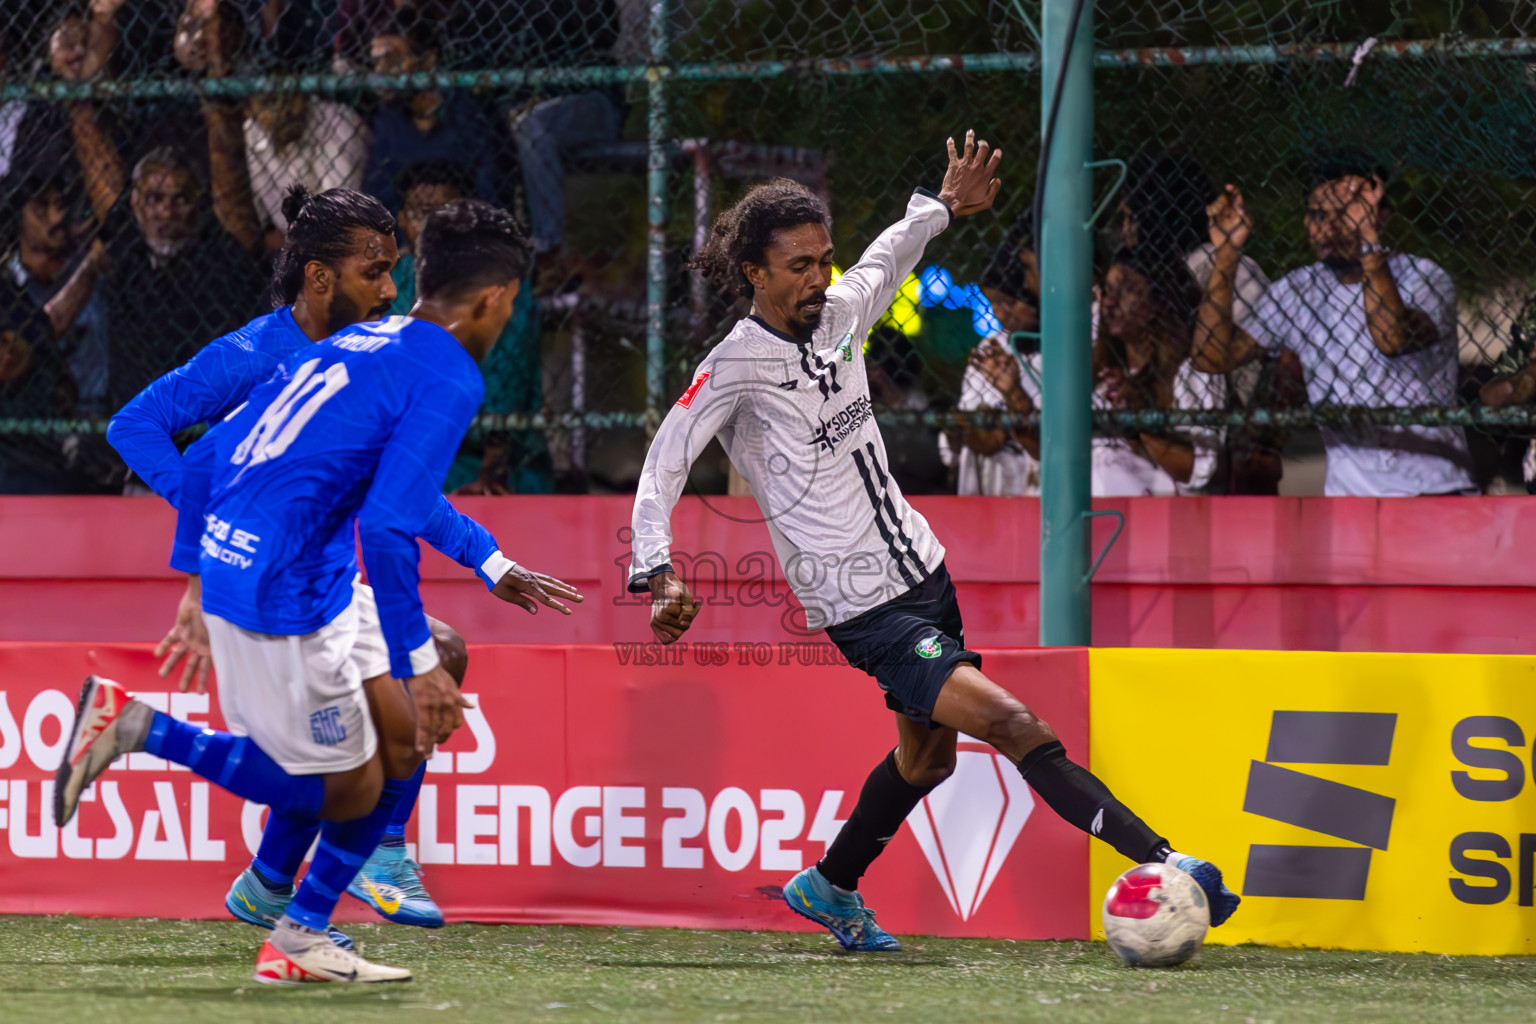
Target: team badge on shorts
[326, 726]
[929, 648]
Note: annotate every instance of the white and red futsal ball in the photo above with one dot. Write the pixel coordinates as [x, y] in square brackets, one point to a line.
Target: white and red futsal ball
[1155, 916]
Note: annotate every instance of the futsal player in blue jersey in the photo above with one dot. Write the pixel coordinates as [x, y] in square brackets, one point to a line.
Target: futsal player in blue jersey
[333, 271]
[347, 443]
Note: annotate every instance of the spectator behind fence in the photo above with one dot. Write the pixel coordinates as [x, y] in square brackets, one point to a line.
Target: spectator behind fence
[180, 279]
[504, 462]
[1164, 209]
[12, 112]
[1140, 363]
[417, 127]
[48, 272]
[40, 300]
[992, 460]
[895, 383]
[547, 129]
[1371, 328]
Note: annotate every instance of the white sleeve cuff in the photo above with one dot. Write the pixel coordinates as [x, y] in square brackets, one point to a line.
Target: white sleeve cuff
[424, 658]
[495, 567]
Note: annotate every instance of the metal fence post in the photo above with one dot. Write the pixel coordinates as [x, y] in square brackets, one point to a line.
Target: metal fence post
[658, 160]
[1066, 259]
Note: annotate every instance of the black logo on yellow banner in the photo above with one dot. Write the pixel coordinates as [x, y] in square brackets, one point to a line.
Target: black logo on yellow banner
[1490, 881]
[1354, 815]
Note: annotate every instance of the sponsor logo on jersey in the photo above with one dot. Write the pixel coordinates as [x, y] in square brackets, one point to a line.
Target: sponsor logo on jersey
[693, 389]
[845, 348]
[929, 648]
[843, 423]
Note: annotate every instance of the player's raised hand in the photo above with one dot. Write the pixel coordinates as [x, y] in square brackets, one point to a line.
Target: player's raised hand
[528, 589]
[673, 607]
[187, 642]
[439, 707]
[971, 182]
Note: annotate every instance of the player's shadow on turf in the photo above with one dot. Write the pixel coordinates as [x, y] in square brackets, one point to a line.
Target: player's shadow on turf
[244, 992]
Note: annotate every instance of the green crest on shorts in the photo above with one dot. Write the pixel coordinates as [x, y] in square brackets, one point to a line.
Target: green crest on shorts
[929, 648]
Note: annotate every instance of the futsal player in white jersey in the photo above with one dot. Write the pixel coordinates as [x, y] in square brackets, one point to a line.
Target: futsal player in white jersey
[787, 394]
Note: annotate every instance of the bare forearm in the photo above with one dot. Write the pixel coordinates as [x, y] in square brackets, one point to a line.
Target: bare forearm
[69, 300]
[1396, 328]
[1174, 457]
[100, 162]
[1215, 329]
[234, 203]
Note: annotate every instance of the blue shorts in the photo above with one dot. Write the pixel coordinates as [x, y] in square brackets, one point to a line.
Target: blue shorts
[910, 645]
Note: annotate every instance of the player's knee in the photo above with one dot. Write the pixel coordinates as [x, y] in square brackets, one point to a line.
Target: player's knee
[452, 651]
[399, 756]
[1016, 731]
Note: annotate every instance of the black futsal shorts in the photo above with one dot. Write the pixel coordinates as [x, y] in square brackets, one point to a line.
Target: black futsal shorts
[910, 645]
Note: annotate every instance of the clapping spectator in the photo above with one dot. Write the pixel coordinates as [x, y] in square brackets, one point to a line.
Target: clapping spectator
[992, 460]
[1141, 362]
[503, 462]
[1369, 326]
[413, 128]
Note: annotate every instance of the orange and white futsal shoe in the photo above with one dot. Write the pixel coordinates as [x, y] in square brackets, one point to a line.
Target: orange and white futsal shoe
[108, 724]
[295, 955]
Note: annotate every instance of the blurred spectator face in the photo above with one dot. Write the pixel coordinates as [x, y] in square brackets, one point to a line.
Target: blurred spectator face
[67, 50]
[421, 202]
[1125, 304]
[364, 289]
[164, 202]
[281, 116]
[45, 224]
[392, 54]
[1015, 312]
[1334, 234]
[202, 26]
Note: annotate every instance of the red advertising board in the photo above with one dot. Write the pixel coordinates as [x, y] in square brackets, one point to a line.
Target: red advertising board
[620, 784]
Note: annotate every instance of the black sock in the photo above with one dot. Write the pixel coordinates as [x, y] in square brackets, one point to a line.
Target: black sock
[884, 803]
[1076, 794]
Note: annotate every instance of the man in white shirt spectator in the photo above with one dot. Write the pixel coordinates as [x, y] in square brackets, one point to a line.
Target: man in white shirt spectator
[301, 140]
[1371, 328]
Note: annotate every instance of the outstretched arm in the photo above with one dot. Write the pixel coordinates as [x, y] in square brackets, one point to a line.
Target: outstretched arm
[970, 186]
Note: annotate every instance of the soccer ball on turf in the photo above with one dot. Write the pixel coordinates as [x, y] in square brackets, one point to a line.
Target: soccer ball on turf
[1155, 916]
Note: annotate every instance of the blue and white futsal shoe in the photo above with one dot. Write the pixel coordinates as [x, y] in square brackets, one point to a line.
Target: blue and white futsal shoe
[842, 913]
[390, 883]
[251, 901]
[1223, 900]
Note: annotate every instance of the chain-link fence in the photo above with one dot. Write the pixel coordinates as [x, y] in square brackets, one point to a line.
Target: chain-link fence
[145, 146]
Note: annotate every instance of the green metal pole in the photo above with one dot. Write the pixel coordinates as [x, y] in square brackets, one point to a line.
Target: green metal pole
[658, 161]
[1066, 264]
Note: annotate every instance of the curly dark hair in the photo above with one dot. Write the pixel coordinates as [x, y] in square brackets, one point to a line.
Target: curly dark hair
[742, 233]
[469, 244]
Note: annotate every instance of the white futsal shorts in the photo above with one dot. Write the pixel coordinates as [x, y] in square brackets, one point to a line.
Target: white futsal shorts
[300, 698]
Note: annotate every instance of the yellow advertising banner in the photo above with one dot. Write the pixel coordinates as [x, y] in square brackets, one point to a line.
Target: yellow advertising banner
[1355, 801]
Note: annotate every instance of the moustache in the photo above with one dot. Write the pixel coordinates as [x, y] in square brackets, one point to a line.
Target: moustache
[378, 312]
[820, 297]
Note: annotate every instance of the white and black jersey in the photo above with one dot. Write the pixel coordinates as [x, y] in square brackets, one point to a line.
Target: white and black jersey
[796, 420]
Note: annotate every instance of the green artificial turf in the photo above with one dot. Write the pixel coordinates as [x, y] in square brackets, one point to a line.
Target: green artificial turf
[100, 972]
